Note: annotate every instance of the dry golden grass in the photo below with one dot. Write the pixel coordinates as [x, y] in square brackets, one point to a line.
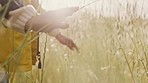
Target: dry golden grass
[112, 50]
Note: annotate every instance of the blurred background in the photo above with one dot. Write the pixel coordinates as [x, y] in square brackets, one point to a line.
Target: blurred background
[112, 38]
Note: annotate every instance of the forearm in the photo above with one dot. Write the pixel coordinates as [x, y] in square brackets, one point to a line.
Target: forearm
[57, 15]
[24, 18]
[27, 18]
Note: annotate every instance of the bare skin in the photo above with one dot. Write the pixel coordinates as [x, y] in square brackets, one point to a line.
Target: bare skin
[47, 22]
[66, 41]
[50, 19]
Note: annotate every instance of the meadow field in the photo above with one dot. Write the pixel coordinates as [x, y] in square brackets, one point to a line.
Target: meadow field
[112, 48]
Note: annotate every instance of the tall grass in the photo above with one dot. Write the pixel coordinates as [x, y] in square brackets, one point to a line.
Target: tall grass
[113, 49]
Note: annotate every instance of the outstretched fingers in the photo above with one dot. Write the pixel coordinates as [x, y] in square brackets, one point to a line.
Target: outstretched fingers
[66, 41]
[72, 45]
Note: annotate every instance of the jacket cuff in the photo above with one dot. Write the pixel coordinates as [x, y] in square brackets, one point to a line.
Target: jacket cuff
[19, 17]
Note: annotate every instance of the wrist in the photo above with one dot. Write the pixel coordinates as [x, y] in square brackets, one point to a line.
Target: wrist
[54, 33]
[58, 36]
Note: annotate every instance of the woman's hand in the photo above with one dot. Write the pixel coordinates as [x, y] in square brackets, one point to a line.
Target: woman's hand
[66, 41]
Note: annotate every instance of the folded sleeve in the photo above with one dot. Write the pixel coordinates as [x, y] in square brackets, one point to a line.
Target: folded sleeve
[19, 17]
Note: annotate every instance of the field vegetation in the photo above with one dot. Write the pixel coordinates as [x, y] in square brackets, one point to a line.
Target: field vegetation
[112, 49]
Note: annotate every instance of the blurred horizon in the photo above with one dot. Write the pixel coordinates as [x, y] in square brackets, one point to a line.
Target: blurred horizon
[109, 8]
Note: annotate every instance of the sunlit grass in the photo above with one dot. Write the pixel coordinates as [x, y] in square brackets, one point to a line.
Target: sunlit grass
[112, 50]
